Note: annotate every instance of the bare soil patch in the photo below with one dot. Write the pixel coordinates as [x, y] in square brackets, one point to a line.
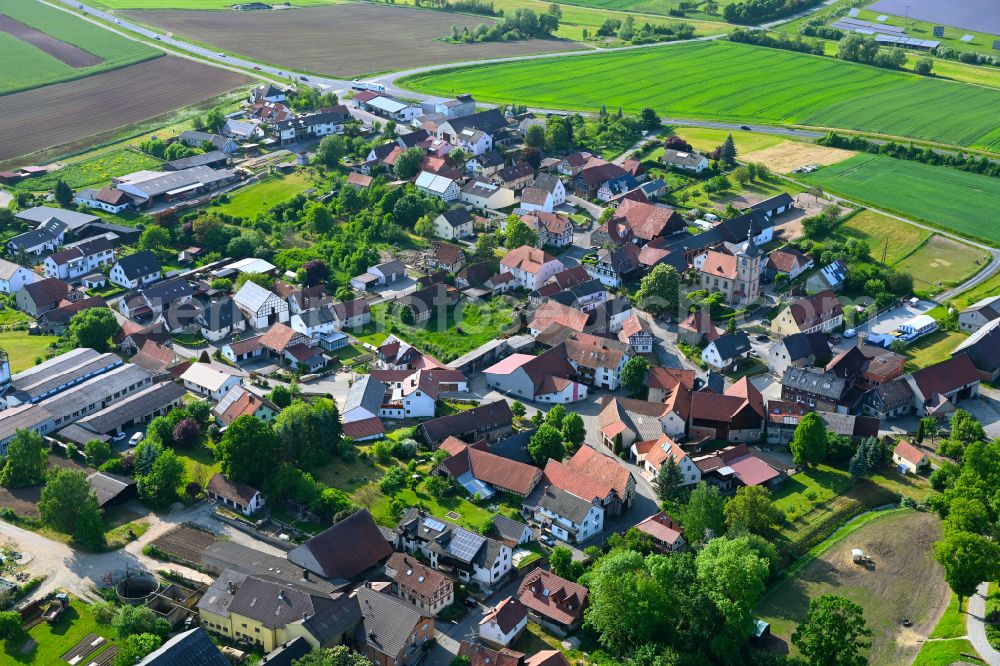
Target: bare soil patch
[903, 583]
[184, 543]
[789, 225]
[342, 40]
[790, 155]
[66, 113]
[72, 55]
[22, 501]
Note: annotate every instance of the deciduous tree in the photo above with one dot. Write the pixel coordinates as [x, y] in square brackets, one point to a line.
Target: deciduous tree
[703, 517]
[808, 445]
[248, 450]
[834, 633]
[68, 505]
[660, 291]
[94, 327]
[546, 443]
[133, 647]
[968, 559]
[733, 573]
[633, 376]
[24, 463]
[408, 163]
[751, 510]
[573, 429]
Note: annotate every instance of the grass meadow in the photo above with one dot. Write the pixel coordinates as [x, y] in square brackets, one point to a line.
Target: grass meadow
[23, 349]
[954, 200]
[729, 81]
[97, 170]
[25, 66]
[250, 200]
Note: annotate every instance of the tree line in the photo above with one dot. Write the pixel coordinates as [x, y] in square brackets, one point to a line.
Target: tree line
[750, 12]
[522, 24]
[981, 165]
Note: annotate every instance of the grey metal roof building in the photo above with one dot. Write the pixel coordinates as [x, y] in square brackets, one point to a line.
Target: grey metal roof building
[190, 648]
[157, 399]
[367, 393]
[386, 621]
[223, 555]
[97, 393]
[58, 374]
[72, 219]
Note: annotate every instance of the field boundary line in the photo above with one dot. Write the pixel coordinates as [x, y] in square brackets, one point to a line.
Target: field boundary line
[914, 250]
[850, 526]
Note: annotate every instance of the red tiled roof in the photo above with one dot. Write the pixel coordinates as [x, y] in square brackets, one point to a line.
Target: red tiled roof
[493, 469]
[412, 575]
[528, 259]
[720, 265]
[507, 614]
[908, 452]
[816, 309]
[648, 221]
[547, 658]
[364, 428]
[480, 655]
[278, 337]
[589, 475]
[787, 259]
[668, 378]
[552, 312]
[700, 321]
[661, 527]
[553, 597]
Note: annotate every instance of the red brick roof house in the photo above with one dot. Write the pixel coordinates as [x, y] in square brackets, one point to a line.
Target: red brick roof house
[698, 327]
[737, 415]
[425, 588]
[821, 312]
[908, 459]
[547, 658]
[504, 623]
[499, 473]
[648, 222]
[553, 601]
[238, 496]
[937, 388]
[666, 532]
[661, 382]
[481, 655]
[736, 466]
[592, 476]
[789, 261]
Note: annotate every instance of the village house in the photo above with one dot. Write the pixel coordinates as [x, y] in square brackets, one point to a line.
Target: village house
[980, 313]
[698, 327]
[667, 533]
[616, 266]
[14, 277]
[530, 266]
[442, 187]
[219, 319]
[593, 476]
[737, 415]
[46, 237]
[938, 388]
[889, 400]
[106, 198]
[447, 257]
[636, 334]
[515, 177]
[391, 632]
[136, 270]
[983, 348]
[484, 473]
[725, 352]
[241, 402]
[553, 602]
[819, 390]
[652, 454]
[485, 165]
[684, 160]
[552, 228]
[210, 381]
[261, 307]
[799, 350]
[736, 466]
[788, 261]
[828, 278]
[472, 557]
[504, 623]
[425, 588]
[240, 497]
[325, 556]
[152, 303]
[483, 195]
[568, 517]
[821, 312]
[79, 259]
[908, 459]
[490, 421]
[598, 361]
[548, 377]
[312, 125]
[453, 224]
[661, 383]
[43, 295]
[56, 321]
[255, 611]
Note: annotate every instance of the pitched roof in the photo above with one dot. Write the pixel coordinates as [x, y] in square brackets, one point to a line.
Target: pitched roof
[786, 259]
[661, 527]
[508, 529]
[668, 378]
[639, 416]
[480, 655]
[547, 658]
[491, 414]
[493, 469]
[410, 574]
[47, 291]
[648, 221]
[553, 312]
[720, 264]
[386, 622]
[592, 351]
[553, 597]
[139, 264]
[700, 321]
[983, 347]
[732, 345]
[239, 493]
[526, 258]
[945, 377]
[804, 345]
[910, 453]
[189, 648]
[817, 309]
[456, 217]
[345, 550]
[279, 337]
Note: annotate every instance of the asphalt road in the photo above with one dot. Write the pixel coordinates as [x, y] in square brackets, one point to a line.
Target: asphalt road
[977, 628]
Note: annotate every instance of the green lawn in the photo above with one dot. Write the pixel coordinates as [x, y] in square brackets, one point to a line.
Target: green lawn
[472, 516]
[955, 200]
[875, 229]
[729, 81]
[260, 196]
[945, 653]
[465, 327]
[942, 262]
[932, 349]
[53, 641]
[23, 349]
[804, 491]
[952, 623]
[25, 66]
[97, 170]
[9, 317]
[985, 289]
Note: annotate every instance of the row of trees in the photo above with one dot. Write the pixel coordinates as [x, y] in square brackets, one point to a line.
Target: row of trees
[776, 41]
[864, 48]
[522, 24]
[750, 12]
[627, 30]
[981, 165]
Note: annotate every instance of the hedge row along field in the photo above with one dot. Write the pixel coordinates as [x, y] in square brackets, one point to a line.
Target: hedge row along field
[961, 202]
[24, 66]
[738, 82]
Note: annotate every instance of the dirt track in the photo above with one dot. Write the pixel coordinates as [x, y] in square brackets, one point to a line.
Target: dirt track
[73, 56]
[343, 40]
[66, 113]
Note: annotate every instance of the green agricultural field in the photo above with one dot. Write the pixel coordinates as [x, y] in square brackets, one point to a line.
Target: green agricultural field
[93, 171]
[954, 200]
[25, 66]
[196, 4]
[704, 139]
[876, 229]
[738, 82]
[945, 653]
[661, 7]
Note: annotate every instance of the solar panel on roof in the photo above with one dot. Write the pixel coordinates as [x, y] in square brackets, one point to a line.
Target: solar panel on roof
[464, 544]
[966, 38]
[434, 524]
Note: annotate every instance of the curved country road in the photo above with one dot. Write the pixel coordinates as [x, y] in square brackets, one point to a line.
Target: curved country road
[977, 627]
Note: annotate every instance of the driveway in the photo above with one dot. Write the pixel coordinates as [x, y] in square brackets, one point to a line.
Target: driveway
[891, 320]
[79, 572]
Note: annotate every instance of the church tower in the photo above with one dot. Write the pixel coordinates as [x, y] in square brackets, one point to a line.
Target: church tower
[748, 266]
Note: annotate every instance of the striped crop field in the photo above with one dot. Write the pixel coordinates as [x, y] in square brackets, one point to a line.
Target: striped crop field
[738, 82]
[963, 203]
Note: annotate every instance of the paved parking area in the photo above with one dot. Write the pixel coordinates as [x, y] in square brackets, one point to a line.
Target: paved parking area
[891, 320]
